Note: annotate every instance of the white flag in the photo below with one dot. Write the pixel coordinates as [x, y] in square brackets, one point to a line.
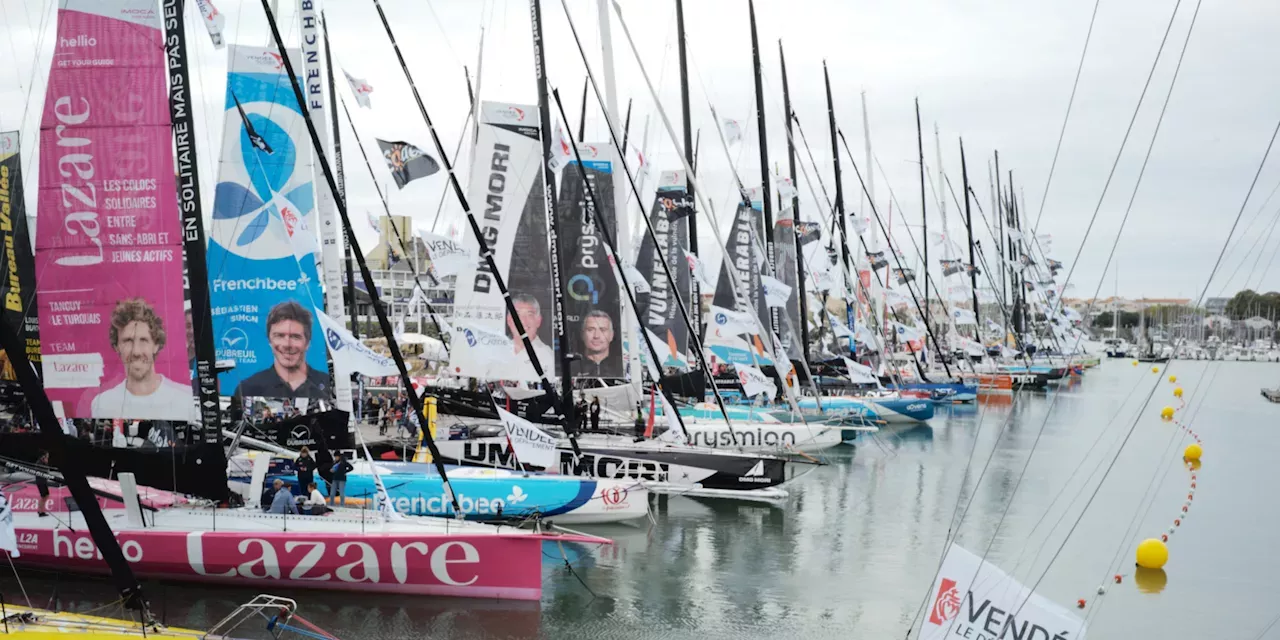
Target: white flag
[349, 354]
[531, 444]
[8, 537]
[780, 359]
[1013, 234]
[213, 20]
[1008, 352]
[754, 381]
[858, 373]
[448, 257]
[561, 152]
[959, 293]
[986, 296]
[839, 328]
[732, 130]
[937, 237]
[866, 337]
[786, 189]
[674, 434]
[484, 347]
[776, 292]
[360, 89]
[373, 223]
[971, 347]
[860, 224]
[894, 299]
[972, 596]
[637, 281]
[963, 317]
[730, 323]
[699, 269]
[906, 333]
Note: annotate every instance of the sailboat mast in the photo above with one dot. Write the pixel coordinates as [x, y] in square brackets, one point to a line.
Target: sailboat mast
[766, 206]
[795, 213]
[924, 214]
[691, 157]
[339, 174]
[998, 211]
[549, 201]
[968, 225]
[193, 238]
[839, 204]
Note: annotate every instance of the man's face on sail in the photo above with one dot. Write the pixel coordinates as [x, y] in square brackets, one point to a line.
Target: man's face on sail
[137, 350]
[288, 343]
[597, 334]
[530, 317]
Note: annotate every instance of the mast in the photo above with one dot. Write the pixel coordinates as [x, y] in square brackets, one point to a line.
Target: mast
[339, 174]
[383, 321]
[766, 206]
[998, 208]
[795, 211]
[924, 215]
[875, 230]
[549, 201]
[691, 158]
[193, 238]
[968, 226]
[839, 204]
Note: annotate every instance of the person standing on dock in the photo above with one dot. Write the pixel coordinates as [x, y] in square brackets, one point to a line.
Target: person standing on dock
[595, 413]
[338, 486]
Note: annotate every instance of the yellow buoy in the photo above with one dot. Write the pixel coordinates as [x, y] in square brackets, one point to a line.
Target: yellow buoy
[1155, 369]
[1135, 363]
[1167, 413]
[1152, 554]
[1192, 452]
[1177, 392]
[1173, 378]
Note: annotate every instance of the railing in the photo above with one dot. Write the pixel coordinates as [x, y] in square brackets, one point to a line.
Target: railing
[274, 609]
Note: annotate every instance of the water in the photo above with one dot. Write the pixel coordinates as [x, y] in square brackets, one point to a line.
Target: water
[855, 549]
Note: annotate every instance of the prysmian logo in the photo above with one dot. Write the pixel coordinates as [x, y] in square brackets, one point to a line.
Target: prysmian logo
[589, 294]
[946, 604]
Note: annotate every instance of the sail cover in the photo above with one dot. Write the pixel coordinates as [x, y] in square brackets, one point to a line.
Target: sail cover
[17, 265]
[506, 194]
[593, 309]
[264, 195]
[786, 234]
[741, 255]
[108, 246]
[659, 306]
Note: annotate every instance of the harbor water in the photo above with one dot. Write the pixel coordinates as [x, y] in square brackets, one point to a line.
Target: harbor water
[854, 550]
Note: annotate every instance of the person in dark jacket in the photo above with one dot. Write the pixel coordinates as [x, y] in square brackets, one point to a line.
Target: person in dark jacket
[306, 466]
[338, 486]
[595, 413]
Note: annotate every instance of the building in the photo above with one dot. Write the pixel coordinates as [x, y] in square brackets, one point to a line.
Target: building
[393, 263]
[1216, 306]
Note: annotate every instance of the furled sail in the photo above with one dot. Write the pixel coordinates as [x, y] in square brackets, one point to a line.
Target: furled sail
[741, 255]
[658, 306]
[17, 265]
[785, 239]
[109, 246]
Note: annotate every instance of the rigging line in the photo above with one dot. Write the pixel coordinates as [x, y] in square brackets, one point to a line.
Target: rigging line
[444, 33]
[1262, 249]
[1062, 133]
[1217, 263]
[31, 82]
[10, 28]
[1245, 257]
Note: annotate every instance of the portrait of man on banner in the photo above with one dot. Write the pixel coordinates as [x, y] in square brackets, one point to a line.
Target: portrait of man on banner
[137, 335]
[289, 326]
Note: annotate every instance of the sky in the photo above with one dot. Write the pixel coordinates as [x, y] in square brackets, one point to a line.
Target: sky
[997, 74]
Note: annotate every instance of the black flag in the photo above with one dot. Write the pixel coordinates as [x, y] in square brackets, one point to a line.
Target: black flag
[407, 162]
[951, 266]
[878, 261]
[904, 275]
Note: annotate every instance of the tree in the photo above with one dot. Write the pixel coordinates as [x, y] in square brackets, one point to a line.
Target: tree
[1128, 319]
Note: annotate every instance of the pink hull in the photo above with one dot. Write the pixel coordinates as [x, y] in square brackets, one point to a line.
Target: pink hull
[472, 566]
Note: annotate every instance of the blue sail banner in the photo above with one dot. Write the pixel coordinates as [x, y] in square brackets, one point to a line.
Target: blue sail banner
[262, 287]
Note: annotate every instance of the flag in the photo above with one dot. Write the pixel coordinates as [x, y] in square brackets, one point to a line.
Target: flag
[1053, 265]
[776, 292]
[302, 239]
[531, 444]
[373, 223]
[1009, 353]
[786, 189]
[894, 299]
[937, 237]
[732, 130]
[668, 356]
[674, 434]
[8, 537]
[860, 224]
[1013, 234]
[906, 333]
[993, 326]
[903, 276]
[959, 293]
[951, 266]
[561, 152]
[361, 89]
[730, 323]
[963, 317]
[1025, 260]
[839, 328]
[448, 257]
[878, 260]
[865, 336]
[985, 295]
[213, 20]
[699, 269]
[754, 381]
[483, 346]
[638, 282]
[971, 347]
[1030, 286]
[349, 354]
[780, 360]
[406, 162]
[859, 373]
[972, 269]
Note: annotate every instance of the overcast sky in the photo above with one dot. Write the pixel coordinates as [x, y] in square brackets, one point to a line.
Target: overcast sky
[997, 73]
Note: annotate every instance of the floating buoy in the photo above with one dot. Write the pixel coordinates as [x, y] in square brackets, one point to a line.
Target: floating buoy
[1080, 603]
[1192, 452]
[1118, 578]
[1177, 392]
[1173, 378]
[1135, 363]
[1167, 413]
[1155, 369]
[1177, 522]
[1102, 590]
[1164, 537]
[1152, 554]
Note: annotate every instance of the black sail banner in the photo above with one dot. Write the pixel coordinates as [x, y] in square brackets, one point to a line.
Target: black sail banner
[786, 234]
[658, 306]
[592, 304]
[741, 256]
[17, 265]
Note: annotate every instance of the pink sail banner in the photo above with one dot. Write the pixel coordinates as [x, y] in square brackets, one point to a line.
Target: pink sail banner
[108, 243]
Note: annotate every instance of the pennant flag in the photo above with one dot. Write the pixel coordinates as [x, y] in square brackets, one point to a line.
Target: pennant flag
[972, 269]
[531, 444]
[776, 292]
[213, 20]
[971, 347]
[373, 223]
[839, 328]
[674, 434]
[963, 317]
[986, 296]
[361, 89]
[1015, 265]
[992, 325]
[1025, 260]
[448, 257]
[349, 354]
[894, 299]
[903, 276]
[1014, 234]
[561, 152]
[699, 269]
[860, 224]
[1031, 286]
[755, 382]
[8, 536]
[859, 373]
[865, 336]
[302, 239]
[1053, 265]
[959, 293]
[878, 260]
[732, 130]
[806, 229]
[951, 266]
[937, 237]
[730, 323]
[638, 282]
[484, 347]
[780, 360]
[906, 333]
[786, 188]
[1009, 353]
[406, 162]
